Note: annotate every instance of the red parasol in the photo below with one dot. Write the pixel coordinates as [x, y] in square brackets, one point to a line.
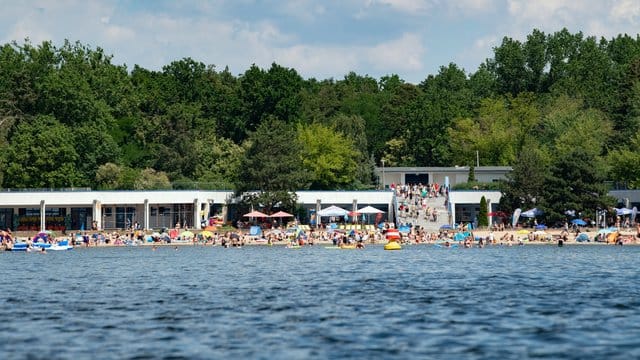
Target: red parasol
[255, 213]
[281, 214]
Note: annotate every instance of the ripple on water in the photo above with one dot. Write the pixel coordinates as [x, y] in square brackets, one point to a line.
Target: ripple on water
[271, 302]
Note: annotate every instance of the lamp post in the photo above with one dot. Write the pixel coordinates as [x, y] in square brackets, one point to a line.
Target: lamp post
[383, 187]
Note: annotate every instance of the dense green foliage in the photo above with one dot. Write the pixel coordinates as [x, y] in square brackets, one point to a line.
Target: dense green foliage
[562, 108]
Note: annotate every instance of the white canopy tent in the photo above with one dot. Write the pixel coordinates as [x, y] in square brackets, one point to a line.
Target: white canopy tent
[333, 211]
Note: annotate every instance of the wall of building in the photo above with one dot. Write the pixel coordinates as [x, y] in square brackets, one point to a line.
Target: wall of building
[156, 209]
[471, 199]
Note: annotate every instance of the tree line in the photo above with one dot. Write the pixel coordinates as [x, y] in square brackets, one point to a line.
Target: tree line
[562, 108]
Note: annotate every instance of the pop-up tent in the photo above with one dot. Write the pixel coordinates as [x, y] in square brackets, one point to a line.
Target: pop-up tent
[333, 211]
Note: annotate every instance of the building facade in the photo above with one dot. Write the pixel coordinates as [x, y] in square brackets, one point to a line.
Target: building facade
[447, 176]
[105, 210]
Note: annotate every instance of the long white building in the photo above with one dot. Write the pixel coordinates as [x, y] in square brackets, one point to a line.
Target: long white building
[78, 210]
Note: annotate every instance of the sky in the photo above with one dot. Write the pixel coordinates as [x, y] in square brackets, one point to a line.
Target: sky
[318, 38]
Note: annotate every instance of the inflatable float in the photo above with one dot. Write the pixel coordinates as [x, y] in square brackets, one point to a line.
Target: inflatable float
[393, 235]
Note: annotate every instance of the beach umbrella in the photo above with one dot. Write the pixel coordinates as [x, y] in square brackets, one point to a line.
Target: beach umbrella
[333, 211]
[498, 214]
[256, 213]
[531, 213]
[370, 210]
[623, 211]
[280, 214]
[579, 222]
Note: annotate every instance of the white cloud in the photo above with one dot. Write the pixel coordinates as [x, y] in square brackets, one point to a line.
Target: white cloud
[625, 10]
[307, 10]
[471, 6]
[402, 54]
[550, 13]
[406, 6]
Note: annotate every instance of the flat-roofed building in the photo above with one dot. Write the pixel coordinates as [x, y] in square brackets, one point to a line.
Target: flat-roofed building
[30, 210]
[442, 175]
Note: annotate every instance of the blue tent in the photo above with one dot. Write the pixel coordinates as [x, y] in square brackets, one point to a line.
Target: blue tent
[255, 231]
[582, 237]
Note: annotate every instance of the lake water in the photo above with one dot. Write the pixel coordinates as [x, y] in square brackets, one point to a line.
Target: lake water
[275, 303]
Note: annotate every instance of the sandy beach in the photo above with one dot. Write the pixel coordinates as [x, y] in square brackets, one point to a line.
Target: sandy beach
[548, 236]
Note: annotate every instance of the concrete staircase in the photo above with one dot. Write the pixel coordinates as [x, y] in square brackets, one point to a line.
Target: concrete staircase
[438, 204]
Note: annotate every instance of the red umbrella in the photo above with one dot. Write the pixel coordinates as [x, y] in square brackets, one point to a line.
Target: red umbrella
[498, 214]
[281, 214]
[256, 214]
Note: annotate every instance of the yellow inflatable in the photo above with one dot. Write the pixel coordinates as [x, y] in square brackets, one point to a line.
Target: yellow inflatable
[392, 245]
[393, 235]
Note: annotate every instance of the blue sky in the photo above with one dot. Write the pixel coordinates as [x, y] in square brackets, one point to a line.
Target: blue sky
[321, 39]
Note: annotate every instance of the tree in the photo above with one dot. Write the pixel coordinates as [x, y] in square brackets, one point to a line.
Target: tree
[525, 184]
[42, 155]
[445, 97]
[510, 61]
[272, 93]
[483, 215]
[218, 162]
[573, 183]
[108, 176]
[328, 156]
[472, 174]
[624, 164]
[270, 171]
[150, 179]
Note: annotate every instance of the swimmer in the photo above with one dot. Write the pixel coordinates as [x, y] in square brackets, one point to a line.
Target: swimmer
[154, 248]
[175, 248]
[43, 250]
[359, 245]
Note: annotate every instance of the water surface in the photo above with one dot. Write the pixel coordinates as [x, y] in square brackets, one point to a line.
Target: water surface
[258, 302]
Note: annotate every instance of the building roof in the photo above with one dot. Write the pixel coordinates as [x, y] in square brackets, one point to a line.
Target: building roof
[442, 169]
